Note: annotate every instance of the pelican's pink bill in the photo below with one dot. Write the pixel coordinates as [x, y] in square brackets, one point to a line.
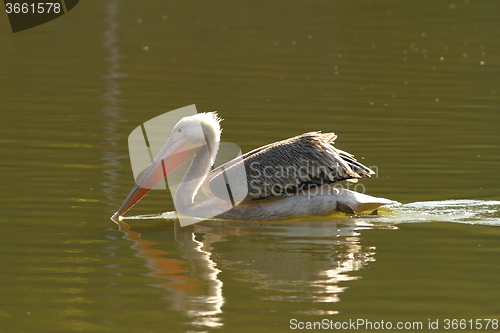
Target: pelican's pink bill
[173, 154]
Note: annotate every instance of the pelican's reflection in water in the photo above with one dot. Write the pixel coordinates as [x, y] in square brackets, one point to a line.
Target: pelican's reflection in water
[291, 262]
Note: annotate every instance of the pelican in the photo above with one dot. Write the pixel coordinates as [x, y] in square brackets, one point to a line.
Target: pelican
[285, 179]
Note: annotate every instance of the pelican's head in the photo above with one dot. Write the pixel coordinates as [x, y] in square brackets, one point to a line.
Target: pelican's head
[197, 130]
[188, 136]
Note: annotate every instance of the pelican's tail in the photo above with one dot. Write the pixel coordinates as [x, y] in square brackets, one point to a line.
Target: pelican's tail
[360, 202]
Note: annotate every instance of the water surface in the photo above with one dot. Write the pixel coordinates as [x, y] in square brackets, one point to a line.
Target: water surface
[411, 88]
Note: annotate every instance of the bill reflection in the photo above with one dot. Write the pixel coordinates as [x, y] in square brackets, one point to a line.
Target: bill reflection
[190, 279]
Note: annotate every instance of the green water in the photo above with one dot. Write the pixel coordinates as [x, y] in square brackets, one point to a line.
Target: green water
[410, 87]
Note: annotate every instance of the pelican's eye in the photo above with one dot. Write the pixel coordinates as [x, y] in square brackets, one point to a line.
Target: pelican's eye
[179, 130]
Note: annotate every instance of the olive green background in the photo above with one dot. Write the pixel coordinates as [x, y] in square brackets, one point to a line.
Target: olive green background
[410, 87]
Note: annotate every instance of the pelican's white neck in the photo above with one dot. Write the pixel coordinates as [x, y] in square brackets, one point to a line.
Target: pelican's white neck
[200, 166]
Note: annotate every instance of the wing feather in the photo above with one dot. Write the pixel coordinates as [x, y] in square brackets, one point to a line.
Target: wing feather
[289, 166]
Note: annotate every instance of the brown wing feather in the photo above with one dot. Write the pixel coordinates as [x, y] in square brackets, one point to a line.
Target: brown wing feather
[286, 167]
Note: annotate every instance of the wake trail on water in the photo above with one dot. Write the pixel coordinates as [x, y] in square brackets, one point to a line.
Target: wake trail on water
[481, 212]
[484, 212]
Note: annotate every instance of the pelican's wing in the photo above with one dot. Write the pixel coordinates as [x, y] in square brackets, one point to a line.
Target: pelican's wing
[289, 166]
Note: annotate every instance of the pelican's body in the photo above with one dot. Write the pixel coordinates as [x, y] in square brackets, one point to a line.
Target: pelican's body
[285, 179]
[311, 203]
